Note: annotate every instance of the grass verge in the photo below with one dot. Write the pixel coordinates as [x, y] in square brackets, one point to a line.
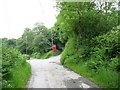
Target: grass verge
[45, 55]
[49, 54]
[105, 78]
[19, 76]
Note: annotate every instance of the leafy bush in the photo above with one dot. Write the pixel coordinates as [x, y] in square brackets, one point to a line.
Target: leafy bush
[99, 55]
[49, 54]
[70, 50]
[36, 55]
[10, 57]
[14, 68]
[45, 55]
[114, 64]
[95, 64]
[26, 56]
[106, 49]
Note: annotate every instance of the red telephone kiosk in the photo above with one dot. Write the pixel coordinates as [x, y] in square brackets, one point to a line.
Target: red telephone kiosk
[54, 48]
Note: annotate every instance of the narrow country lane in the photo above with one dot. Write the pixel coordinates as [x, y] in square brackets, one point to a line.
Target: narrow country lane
[49, 73]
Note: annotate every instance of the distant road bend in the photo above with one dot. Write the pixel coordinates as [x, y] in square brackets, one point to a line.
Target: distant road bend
[50, 73]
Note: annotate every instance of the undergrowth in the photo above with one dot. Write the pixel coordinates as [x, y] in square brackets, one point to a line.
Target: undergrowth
[96, 58]
[15, 70]
[20, 76]
[45, 55]
[49, 54]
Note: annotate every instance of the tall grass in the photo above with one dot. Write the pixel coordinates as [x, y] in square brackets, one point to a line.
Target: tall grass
[105, 78]
[45, 55]
[49, 54]
[15, 70]
[20, 76]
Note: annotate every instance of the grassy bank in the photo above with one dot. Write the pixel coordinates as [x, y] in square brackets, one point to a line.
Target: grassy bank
[45, 55]
[20, 76]
[49, 54]
[96, 58]
[104, 78]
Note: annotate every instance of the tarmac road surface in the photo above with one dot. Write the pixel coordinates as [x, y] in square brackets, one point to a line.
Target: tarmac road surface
[49, 73]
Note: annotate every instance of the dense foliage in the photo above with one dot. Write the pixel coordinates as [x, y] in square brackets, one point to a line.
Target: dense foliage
[38, 41]
[15, 70]
[85, 19]
[98, 57]
[34, 42]
[102, 50]
[92, 47]
[88, 30]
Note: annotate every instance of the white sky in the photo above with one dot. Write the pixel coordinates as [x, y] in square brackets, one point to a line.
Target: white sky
[16, 15]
